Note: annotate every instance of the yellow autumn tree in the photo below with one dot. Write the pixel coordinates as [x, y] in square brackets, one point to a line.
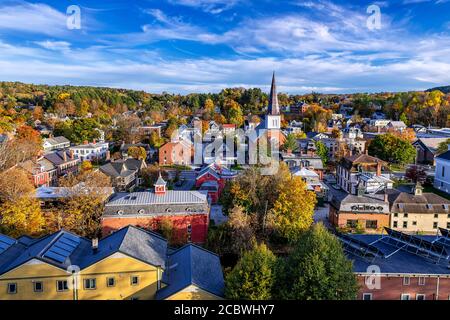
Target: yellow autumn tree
[293, 211]
[21, 216]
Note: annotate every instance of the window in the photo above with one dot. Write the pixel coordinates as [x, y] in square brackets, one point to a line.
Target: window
[414, 223]
[405, 215]
[443, 171]
[38, 286]
[189, 229]
[421, 281]
[395, 225]
[352, 223]
[12, 288]
[367, 296]
[371, 224]
[448, 225]
[89, 284]
[405, 224]
[396, 215]
[406, 281]
[61, 285]
[134, 280]
[110, 282]
[405, 296]
[420, 297]
[436, 216]
[435, 225]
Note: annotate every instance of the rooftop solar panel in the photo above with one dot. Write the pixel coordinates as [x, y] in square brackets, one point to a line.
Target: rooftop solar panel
[5, 242]
[418, 245]
[445, 232]
[359, 248]
[54, 256]
[62, 248]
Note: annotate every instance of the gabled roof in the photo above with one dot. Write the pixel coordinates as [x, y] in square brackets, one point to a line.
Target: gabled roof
[57, 157]
[62, 249]
[431, 144]
[348, 162]
[57, 140]
[444, 156]
[143, 245]
[192, 265]
[122, 168]
[425, 203]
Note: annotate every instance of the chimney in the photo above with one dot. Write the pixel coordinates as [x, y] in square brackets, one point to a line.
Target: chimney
[95, 245]
[378, 168]
[71, 154]
[386, 199]
[85, 142]
[94, 141]
[366, 152]
[64, 155]
[360, 190]
[108, 155]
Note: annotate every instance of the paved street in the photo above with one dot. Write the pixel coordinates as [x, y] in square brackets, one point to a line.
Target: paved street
[217, 215]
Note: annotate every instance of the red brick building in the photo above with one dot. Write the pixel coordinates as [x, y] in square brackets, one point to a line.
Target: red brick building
[210, 179]
[370, 213]
[399, 266]
[185, 212]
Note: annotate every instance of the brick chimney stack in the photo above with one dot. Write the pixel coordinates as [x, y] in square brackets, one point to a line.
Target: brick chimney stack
[71, 154]
[378, 168]
[65, 155]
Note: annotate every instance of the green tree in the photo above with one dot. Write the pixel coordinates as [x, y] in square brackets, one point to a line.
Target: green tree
[391, 148]
[322, 151]
[253, 277]
[137, 153]
[443, 146]
[317, 269]
[78, 130]
[290, 143]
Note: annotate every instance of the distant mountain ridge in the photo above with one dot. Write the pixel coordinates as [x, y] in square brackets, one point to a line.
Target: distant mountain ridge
[444, 89]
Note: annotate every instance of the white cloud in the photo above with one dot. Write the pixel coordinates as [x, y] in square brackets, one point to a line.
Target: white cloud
[54, 45]
[210, 6]
[33, 18]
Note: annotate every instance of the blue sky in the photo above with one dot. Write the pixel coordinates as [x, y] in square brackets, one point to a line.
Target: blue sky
[187, 46]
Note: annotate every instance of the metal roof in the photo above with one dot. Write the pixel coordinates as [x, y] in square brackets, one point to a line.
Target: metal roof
[150, 198]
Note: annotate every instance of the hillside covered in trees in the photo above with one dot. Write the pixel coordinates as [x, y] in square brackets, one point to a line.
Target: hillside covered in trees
[25, 103]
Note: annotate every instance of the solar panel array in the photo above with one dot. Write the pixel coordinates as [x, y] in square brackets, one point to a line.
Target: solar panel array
[61, 249]
[416, 245]
[5, 243]
[360, 248]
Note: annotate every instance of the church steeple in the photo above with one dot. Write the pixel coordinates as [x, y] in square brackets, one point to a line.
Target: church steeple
[274, 107]
[273, 117]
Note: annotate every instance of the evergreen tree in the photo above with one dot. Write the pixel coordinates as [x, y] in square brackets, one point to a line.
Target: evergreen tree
[317, 269]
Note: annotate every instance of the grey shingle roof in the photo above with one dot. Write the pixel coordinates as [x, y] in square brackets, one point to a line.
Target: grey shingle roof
[192, 265]
[138, 243]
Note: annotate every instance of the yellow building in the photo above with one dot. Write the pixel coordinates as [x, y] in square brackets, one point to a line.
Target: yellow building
[128, 264]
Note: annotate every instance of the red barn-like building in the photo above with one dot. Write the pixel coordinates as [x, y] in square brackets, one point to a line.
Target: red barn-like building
[186, 212]
[212, 179]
